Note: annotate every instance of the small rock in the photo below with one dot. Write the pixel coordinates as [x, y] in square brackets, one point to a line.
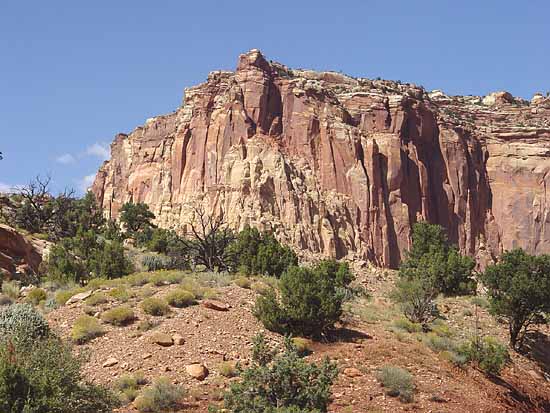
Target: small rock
[352, 372]
[147, 356]
[79, 297]
[110, 362]
[178, 340]
[215, 305]
[162, 339]
[198, 371]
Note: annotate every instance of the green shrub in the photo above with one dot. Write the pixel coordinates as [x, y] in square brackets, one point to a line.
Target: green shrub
[407, 325]
[119, 316]
[243, 282]
[121, 294]
[155, 306]
[438, 264]
[310, 300]
[44, 376]
[260, 287]
[146, 325]
[398, 382]
[154, 262]
[138, 279]
[228, 369]
[161, 396]
[489, 355]
[259, 253]
[128, 386]
[518, 288]
[285, 381]
[480, 301]
[22, 320]
[180, 298]
[97, 298]
[164, 277]
[11, 289]
[438, 343]
[86, 328]
[302, 345]
[416, 298]
[62, 296]
[36, 296]
[136, 217]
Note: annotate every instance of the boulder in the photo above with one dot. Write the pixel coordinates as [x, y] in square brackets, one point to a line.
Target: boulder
[197, 371]
[215, 305]
[162, 339]
[110, 362]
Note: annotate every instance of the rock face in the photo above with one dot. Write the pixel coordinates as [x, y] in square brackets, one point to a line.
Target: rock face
[341, 166]
[18, 255]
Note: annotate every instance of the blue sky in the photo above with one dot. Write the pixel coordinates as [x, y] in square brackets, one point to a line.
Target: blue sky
[74, 73]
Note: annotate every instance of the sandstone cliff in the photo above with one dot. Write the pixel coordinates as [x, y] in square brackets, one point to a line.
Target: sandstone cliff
[340, 165]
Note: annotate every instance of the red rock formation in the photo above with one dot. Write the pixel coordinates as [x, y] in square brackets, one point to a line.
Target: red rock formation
[17, 254]
[340, 165]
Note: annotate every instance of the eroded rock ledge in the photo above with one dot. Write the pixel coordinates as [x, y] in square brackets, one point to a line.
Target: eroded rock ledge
[339, 165]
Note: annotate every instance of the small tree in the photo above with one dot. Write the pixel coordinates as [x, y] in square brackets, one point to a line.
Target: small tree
[209, 242]
[136, 217]
[519, 291]
[432, 258]
[260, 253]
[310, 300]
[281, 383]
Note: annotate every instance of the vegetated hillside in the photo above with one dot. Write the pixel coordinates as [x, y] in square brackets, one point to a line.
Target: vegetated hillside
[340, 165]
[371, 336]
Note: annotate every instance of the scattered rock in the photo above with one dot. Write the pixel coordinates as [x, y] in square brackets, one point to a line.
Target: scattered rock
[215, 305]
[110, 362]
[352, 372]
[198, 371]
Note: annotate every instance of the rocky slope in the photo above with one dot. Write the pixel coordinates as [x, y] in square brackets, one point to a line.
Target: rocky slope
[339, 165]
[19, 256]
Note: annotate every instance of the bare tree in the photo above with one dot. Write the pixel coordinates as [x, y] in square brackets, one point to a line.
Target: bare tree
[210, 240]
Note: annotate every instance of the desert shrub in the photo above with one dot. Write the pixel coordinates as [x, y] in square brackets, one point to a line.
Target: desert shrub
[164, 277]
[112, 261]
[416, 298]
[398, 382]
[11, 289]
[138, 279]
[97, 298]
[407, 325]
[86, 328]
[440, 265]
[44, 376]
[36, 296]
[118, 316]
[180, 298]
[22, 320]
[518, 288]
[146, 292]
[261, 253]
[243, 282]
[310, 300]
[285, 381]
[193, 287]
[155, 262]
[228, 369]
[489, 355]
[120, 293]
[62, 296]
[161, 396]
[155, 306]
[128, 386]
[438, 343]
[302, 345]
[5, 300]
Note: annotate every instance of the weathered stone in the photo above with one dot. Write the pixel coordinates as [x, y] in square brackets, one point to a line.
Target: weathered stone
[352, 372]
[178, 339]
[341, 166]
[215, 305]
[161, 339]
[18, 255]
[110, 362]
[198, 371]
[79, 297]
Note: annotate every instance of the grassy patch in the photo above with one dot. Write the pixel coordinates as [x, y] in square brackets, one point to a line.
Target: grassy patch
[86, 328]
[128, 386]
[407, 325]
[397, 381]
[162, 395]
[227, 369]
[155, 306]
[36, 296]
[119, 316]
[97, 298]
[11, 289]
[180, 298]
[243, 282]
[121, 293]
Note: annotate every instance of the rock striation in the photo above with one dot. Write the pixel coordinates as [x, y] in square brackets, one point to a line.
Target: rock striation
[339, 165]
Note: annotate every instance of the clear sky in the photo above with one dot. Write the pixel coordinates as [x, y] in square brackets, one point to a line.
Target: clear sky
[74, 73]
